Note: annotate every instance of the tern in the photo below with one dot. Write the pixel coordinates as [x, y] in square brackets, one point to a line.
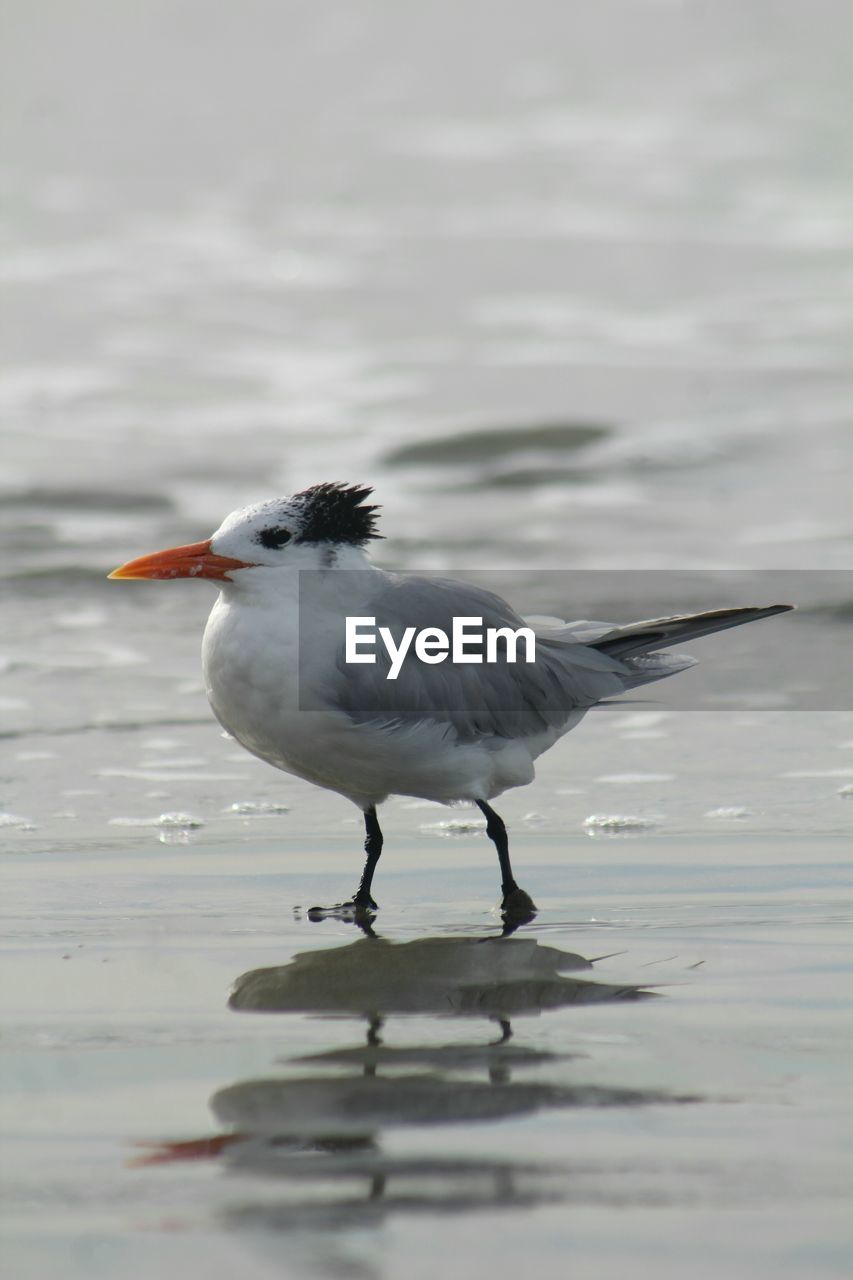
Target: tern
[292, 571]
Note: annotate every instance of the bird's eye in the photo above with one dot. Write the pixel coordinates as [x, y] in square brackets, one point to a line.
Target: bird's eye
[274, 538]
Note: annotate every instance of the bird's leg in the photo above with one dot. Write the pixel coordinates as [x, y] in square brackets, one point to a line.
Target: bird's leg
[372, 850]
[516, 904]
[496, 831]
[361, 904]
[506, 1031]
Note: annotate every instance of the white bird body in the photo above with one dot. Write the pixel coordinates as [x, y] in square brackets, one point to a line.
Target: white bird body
[269, 700]
[291, 571]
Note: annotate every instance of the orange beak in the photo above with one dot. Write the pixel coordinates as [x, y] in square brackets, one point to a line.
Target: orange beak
[196, 560]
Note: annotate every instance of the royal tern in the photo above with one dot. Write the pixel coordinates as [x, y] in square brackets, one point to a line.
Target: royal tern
[293, 570]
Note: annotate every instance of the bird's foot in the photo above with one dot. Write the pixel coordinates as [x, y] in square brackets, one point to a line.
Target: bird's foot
[354, 912]
[359, 909]
[517, 908]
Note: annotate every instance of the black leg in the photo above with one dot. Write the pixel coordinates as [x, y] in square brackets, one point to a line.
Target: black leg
[361, 904]
[516, 902]
[372, 849]
[496, 831]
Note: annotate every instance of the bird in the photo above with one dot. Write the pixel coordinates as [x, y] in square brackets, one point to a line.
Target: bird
[296, 586]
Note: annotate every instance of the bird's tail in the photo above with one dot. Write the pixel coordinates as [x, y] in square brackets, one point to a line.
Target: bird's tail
[636, 644]
[659, 633]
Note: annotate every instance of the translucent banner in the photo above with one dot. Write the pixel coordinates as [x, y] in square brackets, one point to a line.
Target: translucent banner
[513, 652]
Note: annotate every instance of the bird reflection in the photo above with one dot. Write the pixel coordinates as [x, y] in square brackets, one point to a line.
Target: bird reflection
[322, 1119]
[489, 977]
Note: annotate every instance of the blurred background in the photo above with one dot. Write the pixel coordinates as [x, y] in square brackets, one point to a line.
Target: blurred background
[569, 284]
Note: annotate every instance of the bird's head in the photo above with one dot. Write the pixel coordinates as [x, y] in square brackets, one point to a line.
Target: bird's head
[296, 532]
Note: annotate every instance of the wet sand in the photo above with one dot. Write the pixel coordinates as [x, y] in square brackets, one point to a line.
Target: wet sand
[444, 1104]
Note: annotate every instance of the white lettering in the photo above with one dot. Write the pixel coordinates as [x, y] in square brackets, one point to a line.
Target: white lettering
[395, 652]
[353, 639]
[511, 637]
[431, 645]
[461, 637]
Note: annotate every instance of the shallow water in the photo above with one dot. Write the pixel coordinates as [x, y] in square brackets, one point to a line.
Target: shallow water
[571, 287]
[436, 1083]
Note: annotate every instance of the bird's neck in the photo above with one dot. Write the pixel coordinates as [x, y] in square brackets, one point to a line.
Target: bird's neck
[333, 574]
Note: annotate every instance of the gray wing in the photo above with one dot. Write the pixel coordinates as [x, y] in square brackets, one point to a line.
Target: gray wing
[501, 699]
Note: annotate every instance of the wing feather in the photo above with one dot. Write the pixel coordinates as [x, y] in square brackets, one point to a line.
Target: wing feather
[495, 700]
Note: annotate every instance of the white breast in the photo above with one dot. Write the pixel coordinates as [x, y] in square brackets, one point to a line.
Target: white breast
[251, 663]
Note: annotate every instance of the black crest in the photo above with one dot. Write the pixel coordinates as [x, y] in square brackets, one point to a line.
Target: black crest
[336, 513]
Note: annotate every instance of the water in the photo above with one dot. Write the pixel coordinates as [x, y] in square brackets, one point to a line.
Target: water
[571, 288]
[494, 1096]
